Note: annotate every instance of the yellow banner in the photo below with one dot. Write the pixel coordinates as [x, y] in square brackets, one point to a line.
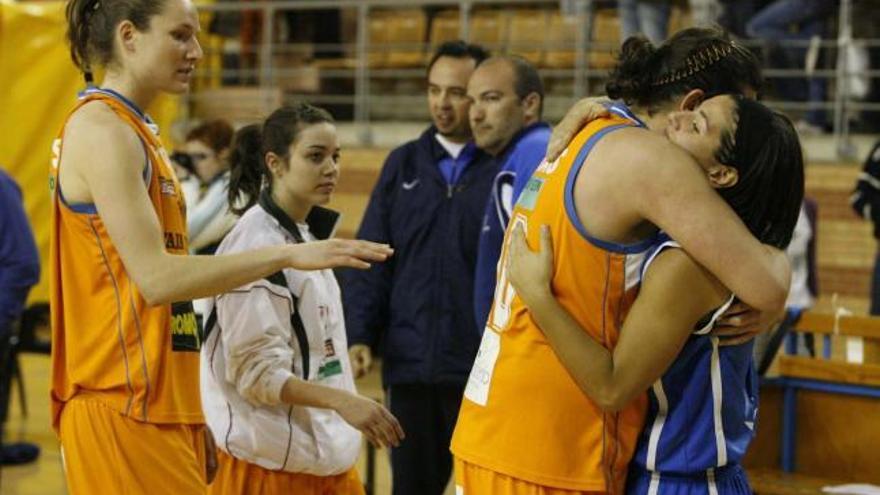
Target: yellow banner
[38, 86]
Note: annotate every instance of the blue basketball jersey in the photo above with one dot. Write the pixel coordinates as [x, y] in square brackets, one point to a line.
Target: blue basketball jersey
[702, 411]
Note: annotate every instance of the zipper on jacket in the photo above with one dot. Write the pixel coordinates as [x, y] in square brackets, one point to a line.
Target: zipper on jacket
[449, 189]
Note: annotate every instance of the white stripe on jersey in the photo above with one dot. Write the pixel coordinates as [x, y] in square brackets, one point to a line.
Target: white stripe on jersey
[717, 314]
[632, 269]
[717, 394]
[710, 478]
[654, 487]
[657, 428]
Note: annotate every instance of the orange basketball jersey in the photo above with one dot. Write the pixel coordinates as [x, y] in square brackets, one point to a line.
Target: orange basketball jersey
[141, 360]
[523, 415]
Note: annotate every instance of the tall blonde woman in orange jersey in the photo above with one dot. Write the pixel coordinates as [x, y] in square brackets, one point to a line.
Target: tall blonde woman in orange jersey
[125, 399]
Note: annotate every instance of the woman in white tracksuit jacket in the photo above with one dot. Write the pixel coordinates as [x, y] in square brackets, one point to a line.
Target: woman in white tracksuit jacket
[277, 387]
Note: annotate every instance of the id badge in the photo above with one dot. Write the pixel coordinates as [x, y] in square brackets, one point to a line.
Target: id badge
[480, 379]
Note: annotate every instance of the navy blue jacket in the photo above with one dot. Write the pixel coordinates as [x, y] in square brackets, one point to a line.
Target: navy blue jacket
[19, 259]
[418, 306]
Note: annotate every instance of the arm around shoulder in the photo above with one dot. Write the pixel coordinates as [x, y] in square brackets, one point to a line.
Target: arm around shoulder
[113, 182]
[670, 190]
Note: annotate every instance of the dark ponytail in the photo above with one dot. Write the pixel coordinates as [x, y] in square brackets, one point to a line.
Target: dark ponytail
[246, 168]
[91, 26]
[248, 171]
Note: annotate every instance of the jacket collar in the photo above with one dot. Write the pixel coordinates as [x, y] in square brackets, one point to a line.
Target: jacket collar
[519, 136]
[275, 211]
[438, 152]
[322, 221]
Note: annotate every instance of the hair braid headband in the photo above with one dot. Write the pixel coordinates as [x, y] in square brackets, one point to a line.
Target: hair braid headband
[697, 62]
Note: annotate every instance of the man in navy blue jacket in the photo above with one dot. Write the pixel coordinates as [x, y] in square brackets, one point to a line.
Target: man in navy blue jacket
[507, 97]
[19, 271]
[418, 306]
[19, 258]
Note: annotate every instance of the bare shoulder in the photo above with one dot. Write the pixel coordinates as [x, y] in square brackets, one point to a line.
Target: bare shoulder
[98, 149]
[643, 149]
[97, 127]
[96, 134]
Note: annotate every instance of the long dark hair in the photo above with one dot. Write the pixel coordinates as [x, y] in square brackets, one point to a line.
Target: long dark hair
[248, 171]
[91, 25]
[693, 58]
[766, 152]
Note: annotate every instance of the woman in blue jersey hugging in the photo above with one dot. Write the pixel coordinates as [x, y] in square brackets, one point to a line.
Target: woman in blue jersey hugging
[702, 393]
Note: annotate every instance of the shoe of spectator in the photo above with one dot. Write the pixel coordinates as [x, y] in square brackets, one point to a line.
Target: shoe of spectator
[19, 453]
[805, 128]
[812, 56]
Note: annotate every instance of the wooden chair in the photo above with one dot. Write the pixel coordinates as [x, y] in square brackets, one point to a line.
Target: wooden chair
[528, 31]
[490, 28]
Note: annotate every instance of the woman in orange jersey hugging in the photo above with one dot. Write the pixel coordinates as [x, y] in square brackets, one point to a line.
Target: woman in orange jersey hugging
[125, 340]
[277, 385]
[702, 393]
[525, 425]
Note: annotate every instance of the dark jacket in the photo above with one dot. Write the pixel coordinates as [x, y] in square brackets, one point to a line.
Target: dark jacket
[418, 306]
[19, 258]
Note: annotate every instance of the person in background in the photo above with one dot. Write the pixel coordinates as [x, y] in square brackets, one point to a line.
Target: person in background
[796, 20]
[647, 17]
[208, 218]
[507, 98]
[19, 271]
[276, 379]
[428, 203]
[865, 200]
[125, 339]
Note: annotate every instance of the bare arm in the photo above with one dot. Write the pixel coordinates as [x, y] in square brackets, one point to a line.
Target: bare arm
[373, 420]
[652, 334]
[692, 213]
[656, 181]
[112, 180]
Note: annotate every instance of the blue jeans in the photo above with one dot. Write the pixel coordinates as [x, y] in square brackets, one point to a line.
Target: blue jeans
[773, 24]
[650, 18]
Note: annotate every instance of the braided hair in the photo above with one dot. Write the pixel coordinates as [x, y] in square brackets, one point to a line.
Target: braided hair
[694, 58]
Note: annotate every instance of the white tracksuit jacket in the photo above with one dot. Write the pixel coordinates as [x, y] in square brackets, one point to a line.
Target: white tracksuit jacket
[253, 347]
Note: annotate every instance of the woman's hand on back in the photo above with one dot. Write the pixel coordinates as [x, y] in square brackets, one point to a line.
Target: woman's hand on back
[582, 113]
[530, 272]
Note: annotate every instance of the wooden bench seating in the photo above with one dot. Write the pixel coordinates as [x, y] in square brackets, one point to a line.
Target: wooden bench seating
[819, 420]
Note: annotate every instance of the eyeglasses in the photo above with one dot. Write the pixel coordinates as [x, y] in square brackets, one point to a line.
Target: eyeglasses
[187, 160]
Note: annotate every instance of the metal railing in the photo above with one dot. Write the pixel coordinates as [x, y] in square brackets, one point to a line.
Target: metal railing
[266, 74]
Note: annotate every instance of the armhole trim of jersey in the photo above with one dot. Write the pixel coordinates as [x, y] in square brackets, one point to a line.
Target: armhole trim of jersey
[571, 210]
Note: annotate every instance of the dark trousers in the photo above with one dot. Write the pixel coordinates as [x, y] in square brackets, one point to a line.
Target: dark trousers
[422, 464]
[875, 288]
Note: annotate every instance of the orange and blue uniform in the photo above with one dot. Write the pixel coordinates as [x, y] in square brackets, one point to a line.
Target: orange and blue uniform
[125, 374]
[523, 416]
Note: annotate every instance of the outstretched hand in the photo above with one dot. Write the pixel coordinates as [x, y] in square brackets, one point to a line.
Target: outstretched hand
[333, 253]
